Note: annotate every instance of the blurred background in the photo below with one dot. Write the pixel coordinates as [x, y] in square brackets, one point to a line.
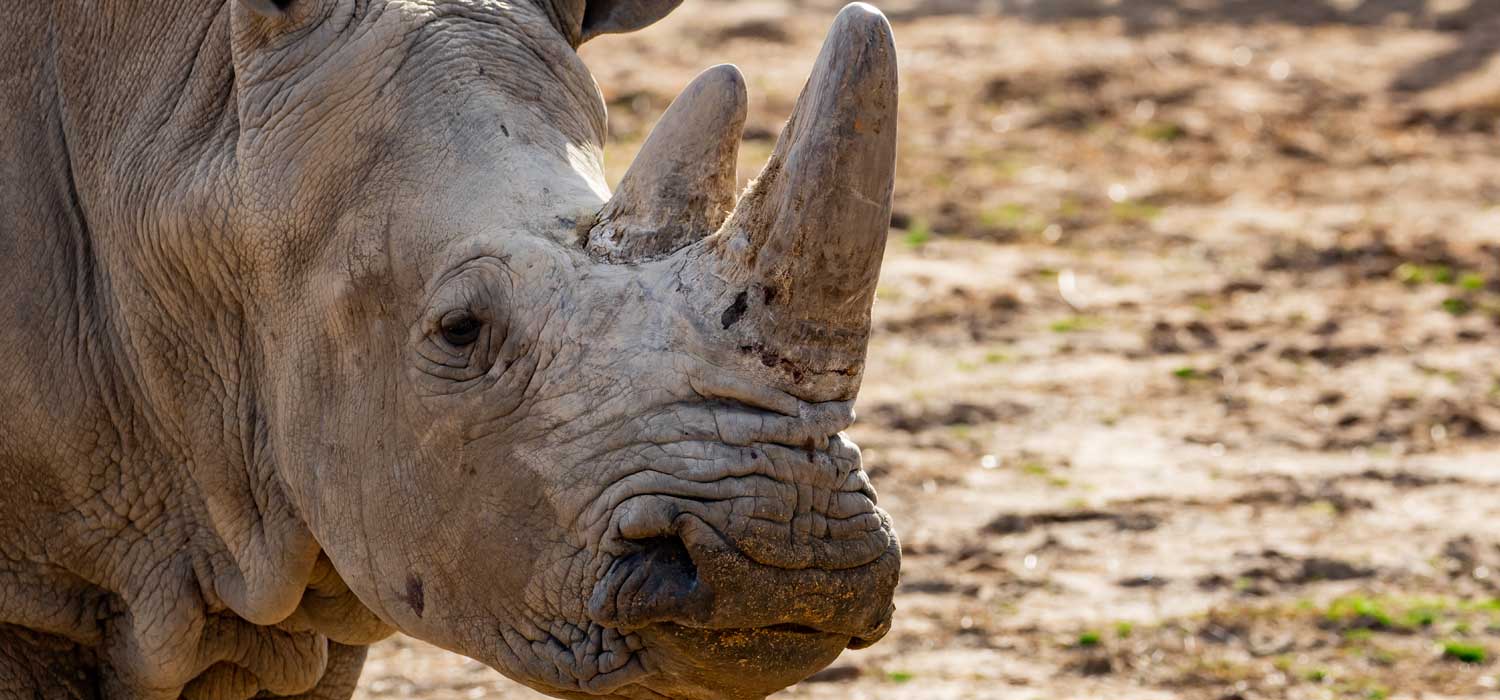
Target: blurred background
[1186, 376]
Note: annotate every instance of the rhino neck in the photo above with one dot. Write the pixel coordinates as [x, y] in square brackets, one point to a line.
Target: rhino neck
[141, 511]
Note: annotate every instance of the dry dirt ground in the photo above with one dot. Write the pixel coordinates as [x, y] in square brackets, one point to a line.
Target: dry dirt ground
[1186, 381]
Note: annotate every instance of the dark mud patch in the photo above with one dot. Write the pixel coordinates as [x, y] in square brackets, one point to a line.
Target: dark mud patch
[1294, 494]
[972, 315]
[1166, 338]
[915, 419]
[1297, 571]
[1013, 523]
[1366, 255]
[1400, 478]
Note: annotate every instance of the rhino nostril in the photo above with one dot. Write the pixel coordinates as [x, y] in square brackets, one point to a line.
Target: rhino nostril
[664, 581]
[665, 558]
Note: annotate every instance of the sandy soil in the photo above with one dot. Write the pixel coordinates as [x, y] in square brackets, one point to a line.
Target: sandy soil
[1187, 375]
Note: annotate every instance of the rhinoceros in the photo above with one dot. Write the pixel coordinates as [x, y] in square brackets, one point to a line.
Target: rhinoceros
[318, 322]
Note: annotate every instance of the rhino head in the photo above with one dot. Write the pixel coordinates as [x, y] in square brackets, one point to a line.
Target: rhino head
[590, 440]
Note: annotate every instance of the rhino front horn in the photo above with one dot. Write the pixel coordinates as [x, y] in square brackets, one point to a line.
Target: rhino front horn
[805, 242]
[680, 186]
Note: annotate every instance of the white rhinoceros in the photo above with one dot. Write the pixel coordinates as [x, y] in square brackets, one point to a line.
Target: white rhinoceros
[318, 321]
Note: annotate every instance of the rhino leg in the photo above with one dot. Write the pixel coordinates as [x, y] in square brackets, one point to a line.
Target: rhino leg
[36, 666]
[226, 681]
[344, 665]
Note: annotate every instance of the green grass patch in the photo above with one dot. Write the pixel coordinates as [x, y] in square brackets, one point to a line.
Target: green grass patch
[1417, 273]
[1357, 611]
[1457, 306]
[1165, 132]
[1041, 471]
[1130, 211]
[918, 234]
[1464, 651]
[1074, 324]
[1088, 639]
[899, 676]
[1422, 616]
[1012, 216]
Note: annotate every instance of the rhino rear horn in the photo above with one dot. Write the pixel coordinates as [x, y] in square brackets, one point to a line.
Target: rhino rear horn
[680, 187]
[809, 234]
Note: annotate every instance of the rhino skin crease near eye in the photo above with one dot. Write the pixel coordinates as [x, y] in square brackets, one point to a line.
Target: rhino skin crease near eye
[460, 328]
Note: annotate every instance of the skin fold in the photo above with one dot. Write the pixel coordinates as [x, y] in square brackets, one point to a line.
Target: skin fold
[310, 333]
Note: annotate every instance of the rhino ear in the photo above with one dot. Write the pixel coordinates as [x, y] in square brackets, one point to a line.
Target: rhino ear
[618, 16]
[581, 20]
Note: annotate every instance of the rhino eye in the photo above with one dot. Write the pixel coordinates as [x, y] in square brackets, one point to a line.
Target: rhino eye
[460, 328]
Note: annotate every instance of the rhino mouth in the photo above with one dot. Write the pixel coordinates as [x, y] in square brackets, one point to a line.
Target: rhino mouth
[735, 663]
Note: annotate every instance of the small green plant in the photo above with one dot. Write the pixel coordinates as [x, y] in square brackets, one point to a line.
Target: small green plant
[899, 676]
[1165, 132]
[1472, 281]
[1359, 611]
[1457, 306]
[1464, 651]
[1073, 324]
[1186, 373]
[1422, 616]
[1415, 273]
[918, 234]
[1314, 675]
[1010, 216]
[1088, 639]
[1040, 471]
[1130, 211]
[1123, 630]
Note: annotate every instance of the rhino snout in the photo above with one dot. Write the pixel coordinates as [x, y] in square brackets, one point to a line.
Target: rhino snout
[791, 541]
[695, 577]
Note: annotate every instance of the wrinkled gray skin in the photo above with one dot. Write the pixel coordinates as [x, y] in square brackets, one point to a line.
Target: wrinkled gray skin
[315, 325]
